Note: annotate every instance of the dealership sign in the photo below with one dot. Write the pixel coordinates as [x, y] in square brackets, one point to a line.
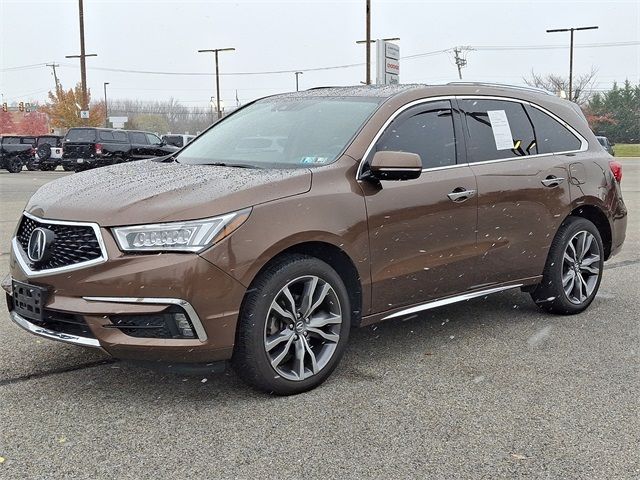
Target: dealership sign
[387, 63]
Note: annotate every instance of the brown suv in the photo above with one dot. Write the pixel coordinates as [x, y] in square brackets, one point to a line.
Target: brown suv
[374, 203]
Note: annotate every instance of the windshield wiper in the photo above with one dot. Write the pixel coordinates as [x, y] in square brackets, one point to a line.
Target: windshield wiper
[237, 165]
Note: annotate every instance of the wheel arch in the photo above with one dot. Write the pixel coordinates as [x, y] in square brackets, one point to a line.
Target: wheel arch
[337, 259]
[596, 216]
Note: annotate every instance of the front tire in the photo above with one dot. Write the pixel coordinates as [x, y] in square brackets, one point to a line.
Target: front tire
[574, 268]
[293, 326]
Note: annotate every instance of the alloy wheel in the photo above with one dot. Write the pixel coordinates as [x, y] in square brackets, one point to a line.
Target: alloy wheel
[302, 329]
[581, 267]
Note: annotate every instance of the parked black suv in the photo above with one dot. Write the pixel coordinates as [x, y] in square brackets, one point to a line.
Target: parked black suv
[16, 151]
[88, 147]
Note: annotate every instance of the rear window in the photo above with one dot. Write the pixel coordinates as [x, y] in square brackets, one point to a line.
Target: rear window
[552, 136]
[138, 138]
[81, 135]
[107, 136]
[53, 141]
[498, 129]
[120, 136]
[175, 140]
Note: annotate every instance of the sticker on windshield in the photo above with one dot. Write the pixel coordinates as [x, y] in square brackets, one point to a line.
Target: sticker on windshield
[501, 129]
[313, 160]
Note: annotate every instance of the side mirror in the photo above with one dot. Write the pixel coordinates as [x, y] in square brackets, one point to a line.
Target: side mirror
[396, 166]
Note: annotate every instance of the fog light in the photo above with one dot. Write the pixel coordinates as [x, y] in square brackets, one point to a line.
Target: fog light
[173, 323]
[183, 325]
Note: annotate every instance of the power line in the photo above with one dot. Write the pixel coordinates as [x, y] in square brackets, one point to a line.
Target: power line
[336, 67]
[554, 47]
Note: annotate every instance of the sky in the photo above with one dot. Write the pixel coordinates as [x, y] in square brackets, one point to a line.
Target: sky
[164, 36]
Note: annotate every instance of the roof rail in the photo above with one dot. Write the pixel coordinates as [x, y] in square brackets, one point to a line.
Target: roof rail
[517, 87]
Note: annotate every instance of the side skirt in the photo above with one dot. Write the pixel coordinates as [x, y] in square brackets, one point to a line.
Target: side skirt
[408, 310]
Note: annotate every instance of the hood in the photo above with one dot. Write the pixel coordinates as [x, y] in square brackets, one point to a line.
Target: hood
[148, 192]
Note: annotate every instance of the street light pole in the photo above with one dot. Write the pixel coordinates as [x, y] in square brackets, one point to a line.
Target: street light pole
[106, 106]
[296, 74]
[215, 51]
[571, 30]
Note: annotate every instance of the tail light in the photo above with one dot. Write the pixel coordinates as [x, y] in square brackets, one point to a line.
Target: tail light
[32, 151]
[98, 149]
[616, 169]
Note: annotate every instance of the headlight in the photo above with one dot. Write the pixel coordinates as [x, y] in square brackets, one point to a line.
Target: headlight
[188, 236]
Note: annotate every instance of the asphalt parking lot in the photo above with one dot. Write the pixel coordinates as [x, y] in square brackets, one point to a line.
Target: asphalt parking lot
[490, 388]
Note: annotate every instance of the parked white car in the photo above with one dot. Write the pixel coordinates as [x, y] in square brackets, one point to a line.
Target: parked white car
[48, 153]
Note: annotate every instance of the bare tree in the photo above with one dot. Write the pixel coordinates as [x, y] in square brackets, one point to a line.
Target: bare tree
[176, 117]
[582, 84]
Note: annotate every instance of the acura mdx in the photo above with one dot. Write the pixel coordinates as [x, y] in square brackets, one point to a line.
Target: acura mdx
[379, 203]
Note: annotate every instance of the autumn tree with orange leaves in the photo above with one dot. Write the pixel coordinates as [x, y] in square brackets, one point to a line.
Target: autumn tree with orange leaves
[63, 110]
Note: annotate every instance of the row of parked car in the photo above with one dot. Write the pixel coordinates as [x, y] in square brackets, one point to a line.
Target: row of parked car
[84, 148]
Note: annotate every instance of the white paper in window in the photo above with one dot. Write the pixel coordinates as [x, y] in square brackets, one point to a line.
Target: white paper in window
[501, 129]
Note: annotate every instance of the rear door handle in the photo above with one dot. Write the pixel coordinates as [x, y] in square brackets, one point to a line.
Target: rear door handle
[460, 195]
[552, 181]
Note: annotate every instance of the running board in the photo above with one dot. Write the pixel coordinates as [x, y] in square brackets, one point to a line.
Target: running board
[449, 300]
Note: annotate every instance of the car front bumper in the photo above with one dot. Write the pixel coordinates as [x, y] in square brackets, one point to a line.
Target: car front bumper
[137, 286]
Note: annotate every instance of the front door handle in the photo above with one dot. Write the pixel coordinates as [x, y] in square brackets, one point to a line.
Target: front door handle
[552, 181]
[460, 195]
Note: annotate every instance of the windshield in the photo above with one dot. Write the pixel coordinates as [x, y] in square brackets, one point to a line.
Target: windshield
[282, 133]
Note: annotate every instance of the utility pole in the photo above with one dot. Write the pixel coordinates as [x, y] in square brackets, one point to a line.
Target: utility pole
[460, 59]
[368, 45]
[296, 74]
[106, 106]
[572, 29]
[55, 75]
[82, 57]
[215, 51]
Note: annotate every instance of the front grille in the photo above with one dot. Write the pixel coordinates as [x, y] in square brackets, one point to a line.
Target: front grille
[61, 322]
[72, 245]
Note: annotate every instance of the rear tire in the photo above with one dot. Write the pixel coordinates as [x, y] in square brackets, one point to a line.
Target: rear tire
[68, 168]
[574, 268]
[293, 326]
[31, 166]
[15, 166]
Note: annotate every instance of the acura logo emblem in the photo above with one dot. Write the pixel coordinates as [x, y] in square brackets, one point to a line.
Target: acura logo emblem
[39, 241]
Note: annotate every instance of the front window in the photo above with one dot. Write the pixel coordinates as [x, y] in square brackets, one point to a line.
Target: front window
[282, 133]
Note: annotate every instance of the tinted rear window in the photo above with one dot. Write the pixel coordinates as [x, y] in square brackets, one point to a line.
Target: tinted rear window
[175, 140]
[484, 136]
[53, 141]
[551, 135]
[138, 138]
[81, 135]
[120, 136]
[107, 136]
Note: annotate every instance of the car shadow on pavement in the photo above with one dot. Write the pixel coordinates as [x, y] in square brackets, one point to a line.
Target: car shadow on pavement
[371, 352]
